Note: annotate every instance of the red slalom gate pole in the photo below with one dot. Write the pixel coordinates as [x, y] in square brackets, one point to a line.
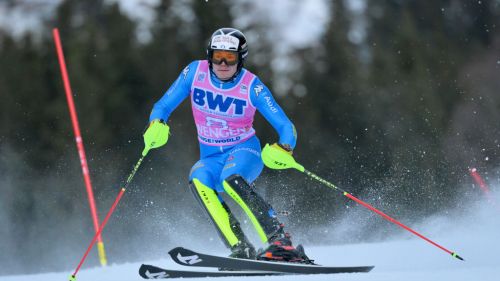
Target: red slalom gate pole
[479, 181]
[79, 143]
[370, 207]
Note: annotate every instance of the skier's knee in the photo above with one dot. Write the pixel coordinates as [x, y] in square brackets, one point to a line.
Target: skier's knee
[237, 182]
[257, 209]
[202, 192]
[240, 190]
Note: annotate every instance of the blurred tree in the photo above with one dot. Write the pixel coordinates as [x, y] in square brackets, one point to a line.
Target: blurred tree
[330, 118]
[422, 48]
[103, 66]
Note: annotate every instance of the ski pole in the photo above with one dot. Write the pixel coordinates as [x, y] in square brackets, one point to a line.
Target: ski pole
[385, 216]
[115, 203]
[287, 161]
[480, 182]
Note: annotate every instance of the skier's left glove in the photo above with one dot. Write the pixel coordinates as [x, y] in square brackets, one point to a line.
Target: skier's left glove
[156, 135]
[277, 156]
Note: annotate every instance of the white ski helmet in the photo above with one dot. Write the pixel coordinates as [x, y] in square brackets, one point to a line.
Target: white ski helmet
[229, 39]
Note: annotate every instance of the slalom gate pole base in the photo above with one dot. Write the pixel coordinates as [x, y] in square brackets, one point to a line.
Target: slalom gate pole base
[102, 254]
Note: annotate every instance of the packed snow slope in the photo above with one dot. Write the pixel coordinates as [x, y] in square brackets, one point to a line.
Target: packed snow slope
[475, 236]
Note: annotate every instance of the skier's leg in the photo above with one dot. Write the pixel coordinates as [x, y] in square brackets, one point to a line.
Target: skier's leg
[226, 224]
[244, 166]
[265, 222]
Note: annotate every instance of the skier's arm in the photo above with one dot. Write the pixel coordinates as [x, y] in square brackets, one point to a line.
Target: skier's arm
[262, 99]
[175, 94]
[157, 132]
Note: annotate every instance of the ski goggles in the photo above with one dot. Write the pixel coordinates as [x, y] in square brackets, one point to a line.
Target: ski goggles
[229, 57]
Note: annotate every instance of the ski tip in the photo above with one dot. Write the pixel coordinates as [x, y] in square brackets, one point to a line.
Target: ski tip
[457, 256]
[142, 271]
[176, 250]
[181, 250]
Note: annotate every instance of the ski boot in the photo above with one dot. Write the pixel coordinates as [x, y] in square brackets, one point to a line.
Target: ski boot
[281, 249]
[243, 250]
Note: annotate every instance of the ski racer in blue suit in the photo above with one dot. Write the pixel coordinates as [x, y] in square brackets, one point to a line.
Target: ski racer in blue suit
[224, 98]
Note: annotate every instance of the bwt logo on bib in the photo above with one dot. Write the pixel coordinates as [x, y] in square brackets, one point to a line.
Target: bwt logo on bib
[217, 101]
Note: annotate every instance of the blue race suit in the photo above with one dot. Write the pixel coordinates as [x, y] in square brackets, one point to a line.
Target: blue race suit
[218, 162]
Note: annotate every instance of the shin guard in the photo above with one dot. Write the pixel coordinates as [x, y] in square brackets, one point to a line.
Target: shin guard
[259, 211]
[226, 224]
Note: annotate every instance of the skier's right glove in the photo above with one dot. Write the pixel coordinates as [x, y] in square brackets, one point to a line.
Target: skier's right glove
[156, 135]
[278, 157]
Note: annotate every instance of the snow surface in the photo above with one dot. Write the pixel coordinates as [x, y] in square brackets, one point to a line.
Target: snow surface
[473, 234]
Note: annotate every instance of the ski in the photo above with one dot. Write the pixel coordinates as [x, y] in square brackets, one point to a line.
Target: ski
[147, 271]
[190, 258]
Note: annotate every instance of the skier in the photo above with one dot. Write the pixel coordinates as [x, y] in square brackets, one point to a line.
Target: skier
[224, 97]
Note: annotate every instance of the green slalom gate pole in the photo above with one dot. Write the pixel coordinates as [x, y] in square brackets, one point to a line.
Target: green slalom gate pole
[287, 162]
[108, 215]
